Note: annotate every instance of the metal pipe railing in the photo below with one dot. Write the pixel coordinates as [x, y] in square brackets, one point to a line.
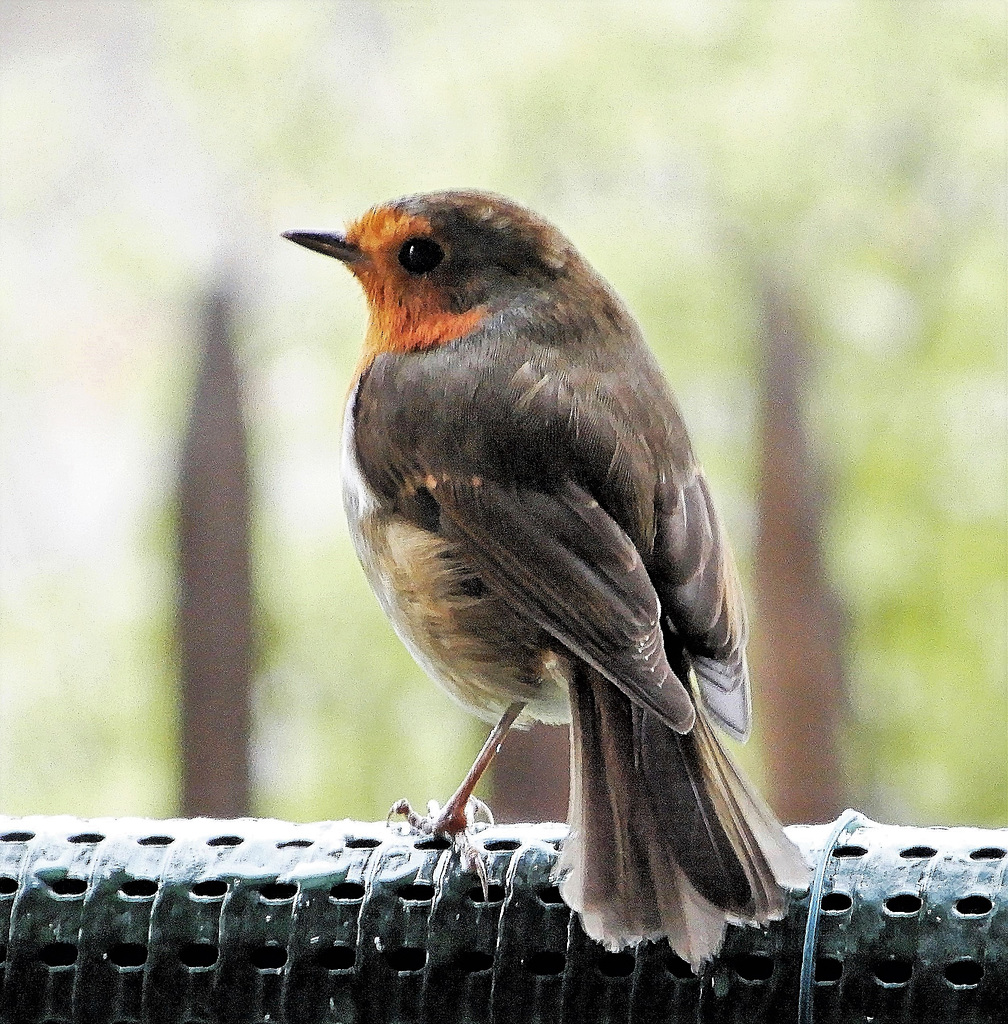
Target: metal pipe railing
[127, 920]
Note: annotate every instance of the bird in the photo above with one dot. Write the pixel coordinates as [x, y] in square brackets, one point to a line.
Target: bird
[524, 498]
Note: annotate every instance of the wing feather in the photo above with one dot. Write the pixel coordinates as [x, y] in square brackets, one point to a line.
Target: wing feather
[698, 584]
[560, 558]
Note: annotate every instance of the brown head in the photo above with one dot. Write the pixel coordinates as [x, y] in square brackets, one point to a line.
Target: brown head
[434, 266]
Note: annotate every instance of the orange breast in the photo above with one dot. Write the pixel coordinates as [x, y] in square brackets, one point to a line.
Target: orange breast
[398, 324]
[407, 314]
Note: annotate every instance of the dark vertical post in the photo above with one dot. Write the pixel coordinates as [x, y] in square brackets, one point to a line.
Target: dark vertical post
[215, 590]
[798, 668]
[531, 775]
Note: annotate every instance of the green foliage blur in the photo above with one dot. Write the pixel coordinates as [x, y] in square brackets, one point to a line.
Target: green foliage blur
[854, 150]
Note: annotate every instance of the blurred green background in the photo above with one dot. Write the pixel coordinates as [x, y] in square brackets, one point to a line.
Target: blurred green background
[855, 151]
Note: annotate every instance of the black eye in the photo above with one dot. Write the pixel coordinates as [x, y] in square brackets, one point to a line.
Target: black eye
[420, 255]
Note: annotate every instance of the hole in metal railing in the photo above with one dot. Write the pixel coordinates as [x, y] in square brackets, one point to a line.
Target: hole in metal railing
[494, 893]
[270, 957]
[362, 843]
[433, 843]
[16, 837]
[616, 963]
[850, 850]
[8, 886]
[198, 955]
[300, 844]
[892, 973]
[678, 967]
[277, 892]
[156, 841]
[918, 853]
[549, 894]
[338, 958]
[754, 967]
[225, 841]
[984, 853]
[418, 892]
[964, 973]
[211, 889]
[495, 845]
[128, 954]
[903, 904]
[828, 969]
[58, 954]
[138, 888]
[974, 906]
[68, 886]
[86, 838]
[406, 958]
[546, 962]
[347, 892]
[836, 903]
[473, 961]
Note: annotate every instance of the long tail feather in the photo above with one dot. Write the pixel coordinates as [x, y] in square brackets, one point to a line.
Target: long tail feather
[667, 838]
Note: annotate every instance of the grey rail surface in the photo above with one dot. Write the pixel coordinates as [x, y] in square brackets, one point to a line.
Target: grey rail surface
[129, 920]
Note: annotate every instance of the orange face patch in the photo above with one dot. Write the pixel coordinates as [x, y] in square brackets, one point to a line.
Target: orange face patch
[408, 312]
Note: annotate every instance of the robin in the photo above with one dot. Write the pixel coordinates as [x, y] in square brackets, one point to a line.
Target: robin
[524, 499]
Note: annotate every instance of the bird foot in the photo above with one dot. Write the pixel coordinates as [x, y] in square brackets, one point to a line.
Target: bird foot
[456, 823]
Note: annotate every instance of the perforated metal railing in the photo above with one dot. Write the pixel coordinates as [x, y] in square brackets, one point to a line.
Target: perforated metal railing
[201, 921]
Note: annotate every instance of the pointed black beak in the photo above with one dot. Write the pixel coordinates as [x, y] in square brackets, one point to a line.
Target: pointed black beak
[327, 243]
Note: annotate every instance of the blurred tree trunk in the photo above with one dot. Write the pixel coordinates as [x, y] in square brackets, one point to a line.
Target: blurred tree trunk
[215, 602]
[798, 665]
[531, 775]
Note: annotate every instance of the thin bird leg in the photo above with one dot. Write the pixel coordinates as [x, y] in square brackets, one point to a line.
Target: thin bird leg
[454, 818]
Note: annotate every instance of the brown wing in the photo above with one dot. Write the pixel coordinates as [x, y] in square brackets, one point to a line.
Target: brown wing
[589, 512]
[698, 584]
[562, 561]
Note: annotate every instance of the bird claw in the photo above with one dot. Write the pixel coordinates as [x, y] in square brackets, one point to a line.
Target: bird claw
[430, 824]
[458, 828]
[474, 807]
[471, 859]
[444, 821]
[416, 822]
